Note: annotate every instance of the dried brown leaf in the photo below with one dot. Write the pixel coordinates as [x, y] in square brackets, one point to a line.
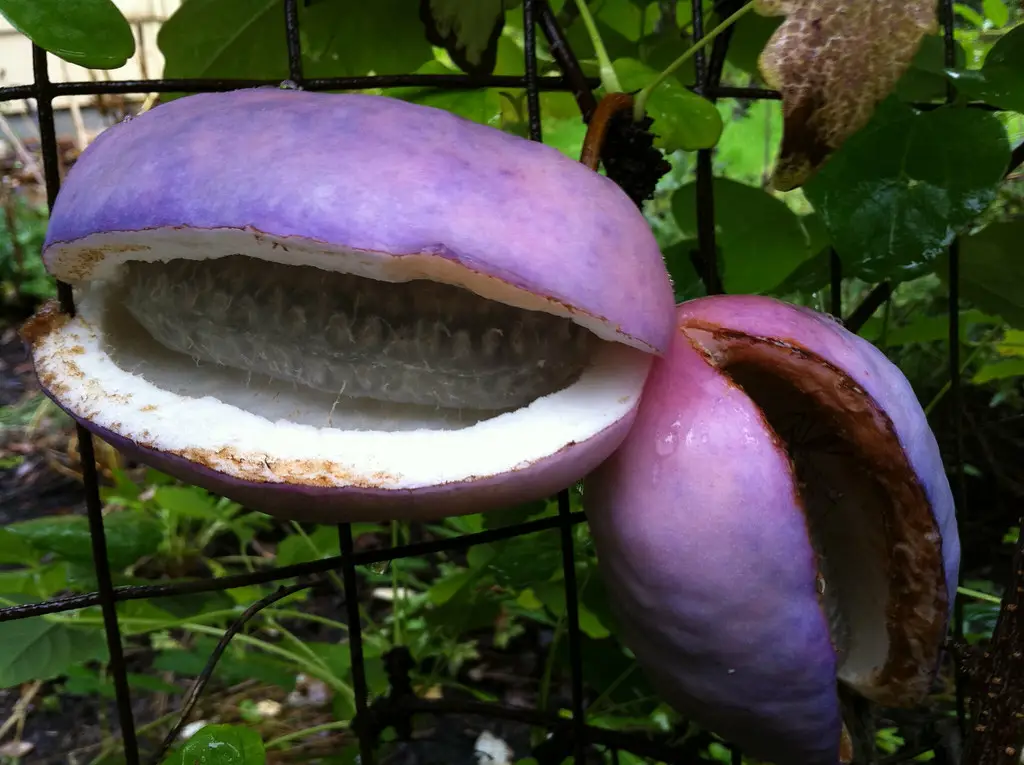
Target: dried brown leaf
[833, 61]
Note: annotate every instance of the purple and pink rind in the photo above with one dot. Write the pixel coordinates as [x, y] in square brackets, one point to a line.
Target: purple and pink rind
[380, 175]
[882, 380]
[703, 548]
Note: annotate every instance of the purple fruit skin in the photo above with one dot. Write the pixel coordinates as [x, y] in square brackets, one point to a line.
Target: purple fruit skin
[704, 549]
[377, 174]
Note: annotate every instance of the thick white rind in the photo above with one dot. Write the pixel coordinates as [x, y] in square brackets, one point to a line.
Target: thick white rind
[73, 363]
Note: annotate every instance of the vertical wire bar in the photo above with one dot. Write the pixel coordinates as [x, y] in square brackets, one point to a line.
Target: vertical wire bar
[955, 394]
[291, 27]
[530, 50]
[572, 615]
[566, 59]
[355, 639]
[86, 452]
[835, 268]
[566, 528]
[705, 173]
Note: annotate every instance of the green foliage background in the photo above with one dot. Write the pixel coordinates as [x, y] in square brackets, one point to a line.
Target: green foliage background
[890, 203]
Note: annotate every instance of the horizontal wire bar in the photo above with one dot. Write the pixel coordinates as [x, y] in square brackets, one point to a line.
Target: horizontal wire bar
[445, 81]
[440, 81]
[871, 303]
[141, 592]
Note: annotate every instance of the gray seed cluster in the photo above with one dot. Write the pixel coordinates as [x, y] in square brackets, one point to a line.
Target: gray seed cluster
[417, 342]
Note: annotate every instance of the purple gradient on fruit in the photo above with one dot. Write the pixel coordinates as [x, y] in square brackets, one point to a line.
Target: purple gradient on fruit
[710, 567]
[704, 546]
[382, 175]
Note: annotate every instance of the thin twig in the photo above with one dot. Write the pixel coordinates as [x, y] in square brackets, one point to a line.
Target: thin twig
[19, 147]
[20, 708]
[192, 698]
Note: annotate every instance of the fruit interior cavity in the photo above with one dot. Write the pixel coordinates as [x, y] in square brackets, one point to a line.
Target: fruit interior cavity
[821, 424]
[419, 343]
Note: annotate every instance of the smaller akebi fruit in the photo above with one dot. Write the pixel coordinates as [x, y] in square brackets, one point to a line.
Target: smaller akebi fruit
[349, 307]
[777, 522]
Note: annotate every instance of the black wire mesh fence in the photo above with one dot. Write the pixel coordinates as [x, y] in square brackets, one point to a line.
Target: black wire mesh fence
[572, 737]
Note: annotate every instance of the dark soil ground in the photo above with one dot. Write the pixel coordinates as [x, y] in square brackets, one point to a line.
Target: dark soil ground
[66, 728]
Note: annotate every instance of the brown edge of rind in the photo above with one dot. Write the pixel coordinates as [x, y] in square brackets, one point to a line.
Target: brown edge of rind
[912, 531]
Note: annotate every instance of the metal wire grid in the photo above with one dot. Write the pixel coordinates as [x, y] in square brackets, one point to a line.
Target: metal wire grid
[536, 13]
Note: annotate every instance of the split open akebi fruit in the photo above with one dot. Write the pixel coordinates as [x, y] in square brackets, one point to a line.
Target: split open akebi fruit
[349, 307]
[777, 521]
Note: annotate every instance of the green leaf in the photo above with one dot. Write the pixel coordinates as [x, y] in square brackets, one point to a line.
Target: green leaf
[924, 329]
[478, 556]
[890, 207]
[925, 79]
[233, 667]
[221, 745]
[991, 270]
[246, 39]
[483, 105]
[760, 237]
[746, 150]
[83, 681]
[616, 44]
[91, 33]
[751, 35]
[468, 29]
[810, 276]
[521, 562]
[969, 15]
[626, 17]
[337, 657]
[552, 595]
[1000, 81]
[566, 135]
[686, 282]
[14, 549]
[1012, 343]
[682, 119]
[38, 582]
[999, 370]
[40, 649]
[124, 487]
[996, 12]
[131, 535]
[446, 587]
[186, 501]
[661, 48]
[322, 543]
[513, 515]
[467, 610]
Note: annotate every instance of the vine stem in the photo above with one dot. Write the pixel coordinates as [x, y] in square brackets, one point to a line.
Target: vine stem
[639, 105]
[299, 734]
[609, 79]
[979, 595]
[597, 130]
